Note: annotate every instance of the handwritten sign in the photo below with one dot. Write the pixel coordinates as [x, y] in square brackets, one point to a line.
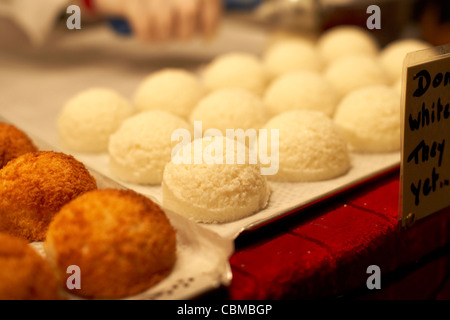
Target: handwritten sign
[425, 167]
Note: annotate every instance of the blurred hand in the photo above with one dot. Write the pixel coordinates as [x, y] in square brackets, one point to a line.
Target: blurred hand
[162, 20]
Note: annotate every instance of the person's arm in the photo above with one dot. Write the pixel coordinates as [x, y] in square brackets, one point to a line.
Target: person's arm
[161, 20]
[151, 20]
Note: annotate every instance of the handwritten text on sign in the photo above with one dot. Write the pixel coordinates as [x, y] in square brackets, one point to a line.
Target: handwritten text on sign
[426, 156]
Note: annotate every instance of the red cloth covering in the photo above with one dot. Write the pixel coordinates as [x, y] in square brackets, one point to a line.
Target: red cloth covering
[324, 251]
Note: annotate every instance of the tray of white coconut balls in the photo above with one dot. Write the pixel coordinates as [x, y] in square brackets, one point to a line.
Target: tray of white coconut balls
[248, 138]
[241, 141]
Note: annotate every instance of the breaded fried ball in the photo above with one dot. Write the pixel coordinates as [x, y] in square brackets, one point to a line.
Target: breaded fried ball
[24, 274]
[122, 242]
[34, 187]
[13, 143]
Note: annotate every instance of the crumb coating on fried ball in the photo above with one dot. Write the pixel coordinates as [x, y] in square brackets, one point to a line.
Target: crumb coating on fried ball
[13, 143]
[34, 187]
[24, 274]
[122, 242]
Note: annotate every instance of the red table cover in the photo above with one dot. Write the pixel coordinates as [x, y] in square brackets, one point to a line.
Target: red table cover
[324, 251]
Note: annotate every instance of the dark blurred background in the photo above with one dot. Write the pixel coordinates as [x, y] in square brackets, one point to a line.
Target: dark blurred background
[426, 19]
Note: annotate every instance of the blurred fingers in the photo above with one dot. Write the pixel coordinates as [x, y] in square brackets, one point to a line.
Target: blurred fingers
[161, 16]
[210, 16]
[136, 13]
[186, 15]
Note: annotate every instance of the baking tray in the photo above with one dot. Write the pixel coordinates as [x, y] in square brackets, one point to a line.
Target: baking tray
[36, 86]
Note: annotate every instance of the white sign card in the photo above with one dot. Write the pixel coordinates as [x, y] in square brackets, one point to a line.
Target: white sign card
[425, 163]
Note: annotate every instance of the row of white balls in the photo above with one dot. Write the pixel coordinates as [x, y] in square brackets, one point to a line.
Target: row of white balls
[348, 52]
[312, 145]
[290, 52]
[237, 90]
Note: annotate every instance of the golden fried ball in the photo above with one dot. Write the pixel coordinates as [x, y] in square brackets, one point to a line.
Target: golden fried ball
[122, 242]
[24, 274]
[13, 143]
[34, 187]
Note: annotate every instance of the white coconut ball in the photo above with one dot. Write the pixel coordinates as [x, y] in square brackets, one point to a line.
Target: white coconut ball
[143, 145]
[230, 108]
[311, 148]
[393, 55]
[235, 69]
[214, 191]
[173, 90]
[301, 90]
[344, 40]
[89, 118]
[291, 55]
[370, 119]
[355, 71]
